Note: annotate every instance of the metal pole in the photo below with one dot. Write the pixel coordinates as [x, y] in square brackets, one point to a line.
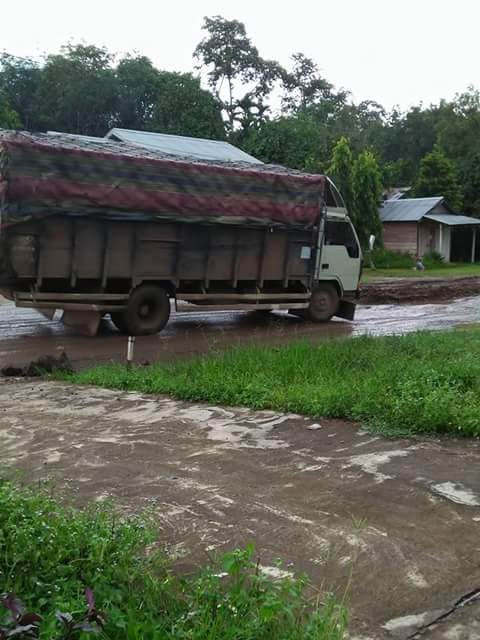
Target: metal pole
[474, 242]
[130, 350]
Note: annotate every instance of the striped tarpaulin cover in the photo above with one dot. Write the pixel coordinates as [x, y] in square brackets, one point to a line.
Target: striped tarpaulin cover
[42, 174]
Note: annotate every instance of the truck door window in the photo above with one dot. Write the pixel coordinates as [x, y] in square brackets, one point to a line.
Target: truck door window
[339, 233]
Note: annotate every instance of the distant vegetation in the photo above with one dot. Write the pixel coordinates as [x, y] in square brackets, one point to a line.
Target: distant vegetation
[425, 383]
[292, 116]
[52, 557]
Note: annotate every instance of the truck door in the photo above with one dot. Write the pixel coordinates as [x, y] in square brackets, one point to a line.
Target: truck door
[341, 256]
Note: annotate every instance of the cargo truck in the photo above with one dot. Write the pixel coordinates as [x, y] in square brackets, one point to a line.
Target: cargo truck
[101, 228]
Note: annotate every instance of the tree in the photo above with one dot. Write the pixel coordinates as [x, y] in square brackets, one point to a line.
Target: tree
[304, 86]
[437, 177]
[19, 82]
[77, 92]
[168, 102]
[471, 184]
[8, 117]
[341, 172]
[184, 108]
[137, 86]
[294, 142]
[238, 76]
[367, 191]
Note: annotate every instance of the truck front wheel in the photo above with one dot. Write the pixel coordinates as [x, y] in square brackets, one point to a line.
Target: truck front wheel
[147, 311]
[323, 303]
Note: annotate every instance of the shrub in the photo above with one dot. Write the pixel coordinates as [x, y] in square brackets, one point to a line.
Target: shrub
[433, 259]
[386, 259]
[52, 556]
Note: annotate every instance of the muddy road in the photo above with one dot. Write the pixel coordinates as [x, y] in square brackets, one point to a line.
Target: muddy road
[398, 519]
[25, 335]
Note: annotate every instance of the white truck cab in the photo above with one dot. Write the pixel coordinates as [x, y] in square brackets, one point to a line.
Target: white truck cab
[339, 256]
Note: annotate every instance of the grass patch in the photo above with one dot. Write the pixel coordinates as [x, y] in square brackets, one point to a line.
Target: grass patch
[446, 270]
[49, 554]
[417, 383]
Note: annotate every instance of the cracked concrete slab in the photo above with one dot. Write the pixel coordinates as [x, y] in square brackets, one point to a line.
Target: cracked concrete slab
[399, 519]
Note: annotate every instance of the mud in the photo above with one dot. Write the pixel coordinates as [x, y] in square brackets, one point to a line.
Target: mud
[397, 520]
[25, 335]
[418, 290]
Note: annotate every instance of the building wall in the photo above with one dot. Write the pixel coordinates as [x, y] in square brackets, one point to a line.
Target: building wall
[427, 237]
[433, 236]
[400, 236]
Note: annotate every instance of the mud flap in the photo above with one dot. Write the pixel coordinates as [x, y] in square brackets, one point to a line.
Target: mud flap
[47, 313]
[86, 322]
[346, 310]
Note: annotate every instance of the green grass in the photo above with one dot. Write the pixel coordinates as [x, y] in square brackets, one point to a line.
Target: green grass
[417, 383]
[448, 270]
[49, 554]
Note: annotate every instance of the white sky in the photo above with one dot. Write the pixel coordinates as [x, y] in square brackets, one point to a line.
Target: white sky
[401, 52]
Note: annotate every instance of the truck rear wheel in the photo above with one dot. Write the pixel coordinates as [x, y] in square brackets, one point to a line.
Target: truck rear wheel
[323, 303]
[147, 310]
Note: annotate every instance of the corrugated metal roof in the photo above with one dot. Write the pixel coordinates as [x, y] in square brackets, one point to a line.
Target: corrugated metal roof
[452, 219]
[77, 136]
[408, 210]
[183, 146]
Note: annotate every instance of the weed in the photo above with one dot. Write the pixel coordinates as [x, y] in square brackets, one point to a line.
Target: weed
[49, 554]
[417, 383]
[386, 259]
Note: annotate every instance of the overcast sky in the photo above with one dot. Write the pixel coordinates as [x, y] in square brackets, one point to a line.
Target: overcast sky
[397, 52]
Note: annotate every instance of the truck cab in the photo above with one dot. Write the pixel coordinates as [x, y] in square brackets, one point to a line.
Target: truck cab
[339, 256]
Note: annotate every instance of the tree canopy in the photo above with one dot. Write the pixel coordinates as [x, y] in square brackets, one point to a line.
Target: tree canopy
[341, 172]
[289, 115]
[8, 117]
[367, 191]
[82, 90]
[437, 177]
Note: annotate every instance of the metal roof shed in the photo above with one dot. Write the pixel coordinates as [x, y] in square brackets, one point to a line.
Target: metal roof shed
[411, 209]
[183, 146]
[423, 225]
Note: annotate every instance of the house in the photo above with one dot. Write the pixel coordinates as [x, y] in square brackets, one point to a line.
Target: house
[421, 225]
[182, 146]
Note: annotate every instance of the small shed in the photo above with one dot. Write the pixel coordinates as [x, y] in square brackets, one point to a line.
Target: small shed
[421, 225]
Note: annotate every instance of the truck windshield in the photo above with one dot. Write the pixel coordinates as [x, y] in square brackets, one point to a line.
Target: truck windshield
[340, 233]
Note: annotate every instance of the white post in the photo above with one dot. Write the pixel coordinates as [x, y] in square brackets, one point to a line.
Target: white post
[474, 242]
[130, 347]
[440, 248]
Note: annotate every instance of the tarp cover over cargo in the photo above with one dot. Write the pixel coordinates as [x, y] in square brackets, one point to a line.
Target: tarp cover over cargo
[44, 174]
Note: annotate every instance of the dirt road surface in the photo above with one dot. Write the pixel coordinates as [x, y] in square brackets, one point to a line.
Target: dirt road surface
[401, 516]
[25, 335]
[418, 290]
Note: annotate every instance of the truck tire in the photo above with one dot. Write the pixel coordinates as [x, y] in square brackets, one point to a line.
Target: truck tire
[323, 303]
[118, 320]
[147, 310]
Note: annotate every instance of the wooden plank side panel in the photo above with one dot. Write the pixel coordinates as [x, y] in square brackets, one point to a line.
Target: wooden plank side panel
[56, 248]
[121, 239]
[222, 253]
[300, 267]
[400, 236]
[169, 251]
[250, 244]
[157, 250]
[90, 247]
